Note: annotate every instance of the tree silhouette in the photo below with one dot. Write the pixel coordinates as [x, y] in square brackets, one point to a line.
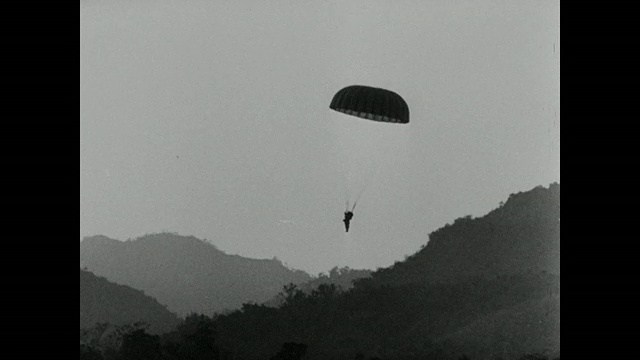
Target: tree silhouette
[195, 340]
[292, 295]
[291, 351]
[138, 345]
[89, 353]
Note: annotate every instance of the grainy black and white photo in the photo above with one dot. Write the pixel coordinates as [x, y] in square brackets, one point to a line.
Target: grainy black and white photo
[319, 179]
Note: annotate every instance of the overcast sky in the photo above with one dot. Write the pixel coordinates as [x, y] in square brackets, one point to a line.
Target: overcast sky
[212, 119]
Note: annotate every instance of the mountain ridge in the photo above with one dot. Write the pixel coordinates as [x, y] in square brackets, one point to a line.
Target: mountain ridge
[185, 273]
[521, 235]
[102, 301]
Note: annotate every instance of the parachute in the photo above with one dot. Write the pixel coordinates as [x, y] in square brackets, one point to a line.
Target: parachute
[364, 144]
[371, 103]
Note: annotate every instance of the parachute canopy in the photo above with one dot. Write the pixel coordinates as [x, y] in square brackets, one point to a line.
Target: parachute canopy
[371, 103]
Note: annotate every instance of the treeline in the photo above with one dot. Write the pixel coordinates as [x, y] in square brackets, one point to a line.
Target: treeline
[390, 322]
[193, 339]
[343, 278]
[196, 339]
[386, 323]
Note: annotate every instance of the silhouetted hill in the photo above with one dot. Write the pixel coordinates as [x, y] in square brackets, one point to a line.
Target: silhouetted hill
[521, 236]
[104, 302]
[486, 287]
[185, 273]
[509, 326]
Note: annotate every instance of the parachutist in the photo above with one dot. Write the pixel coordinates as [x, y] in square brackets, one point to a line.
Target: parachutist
[373, 104]
[347, 218]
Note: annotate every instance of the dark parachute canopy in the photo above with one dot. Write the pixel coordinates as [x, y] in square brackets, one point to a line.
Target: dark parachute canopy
[371, 103]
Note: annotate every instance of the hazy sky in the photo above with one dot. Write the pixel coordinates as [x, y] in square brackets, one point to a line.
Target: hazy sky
[212, 119]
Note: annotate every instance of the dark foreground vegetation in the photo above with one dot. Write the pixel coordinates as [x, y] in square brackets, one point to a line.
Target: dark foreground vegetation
[196, 339]
[485, 288]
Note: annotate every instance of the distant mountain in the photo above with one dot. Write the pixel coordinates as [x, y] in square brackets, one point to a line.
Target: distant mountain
[102, 301]
[487, 288]
[185, 273]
